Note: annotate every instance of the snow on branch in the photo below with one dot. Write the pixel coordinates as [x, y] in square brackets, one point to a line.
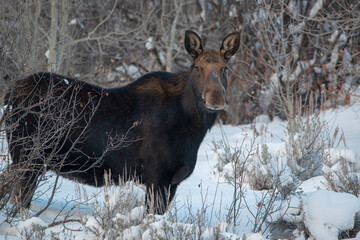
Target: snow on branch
[316, 8]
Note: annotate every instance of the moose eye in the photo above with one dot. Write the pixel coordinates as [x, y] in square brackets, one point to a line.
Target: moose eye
[197, 69]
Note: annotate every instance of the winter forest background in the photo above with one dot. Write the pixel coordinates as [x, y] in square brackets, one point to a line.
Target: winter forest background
[297, 60]
[311, 47]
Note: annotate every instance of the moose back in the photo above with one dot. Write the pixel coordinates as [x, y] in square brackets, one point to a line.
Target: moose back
[150, 129]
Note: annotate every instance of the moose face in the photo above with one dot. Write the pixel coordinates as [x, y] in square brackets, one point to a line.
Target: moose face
[209, 72]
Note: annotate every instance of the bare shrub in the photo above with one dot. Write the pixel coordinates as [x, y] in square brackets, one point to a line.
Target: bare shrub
[306, 142]
[114, 210]
[296, 58]
[55, 120]
[342, 172]
[248, 163]
[118, 212]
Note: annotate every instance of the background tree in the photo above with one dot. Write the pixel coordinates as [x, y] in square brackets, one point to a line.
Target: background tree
[294, 53]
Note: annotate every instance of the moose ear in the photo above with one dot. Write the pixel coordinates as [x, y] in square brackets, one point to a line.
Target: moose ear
[193, 44]
[230, 45]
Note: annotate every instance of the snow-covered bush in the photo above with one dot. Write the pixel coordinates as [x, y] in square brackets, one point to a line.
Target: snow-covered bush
[118, 212]
[248, 164]
[334, 216]
[300, 158]
[113, 211]
[32, 228]
[259, 172]
[321, 214]
[342, 171]
[307, 151]
[305, 145]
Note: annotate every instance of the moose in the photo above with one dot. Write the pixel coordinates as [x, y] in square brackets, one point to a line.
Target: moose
[150, 129]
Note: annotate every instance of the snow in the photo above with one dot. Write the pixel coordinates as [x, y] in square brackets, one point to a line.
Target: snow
[334, 36]
[325, 213]
[316, 8]
[130, 70]
[254, 236]
[73, 22]
[47, 54]
[313, 184]
[149, 45]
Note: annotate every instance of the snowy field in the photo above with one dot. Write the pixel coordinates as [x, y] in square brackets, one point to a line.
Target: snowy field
[325, 213]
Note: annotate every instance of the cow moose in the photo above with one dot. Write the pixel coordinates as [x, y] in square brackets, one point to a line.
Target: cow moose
[150, 129]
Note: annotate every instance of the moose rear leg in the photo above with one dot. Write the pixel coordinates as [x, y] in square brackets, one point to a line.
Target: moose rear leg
[21, 179]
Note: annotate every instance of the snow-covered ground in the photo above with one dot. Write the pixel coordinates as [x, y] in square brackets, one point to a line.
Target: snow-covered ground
[325, 213]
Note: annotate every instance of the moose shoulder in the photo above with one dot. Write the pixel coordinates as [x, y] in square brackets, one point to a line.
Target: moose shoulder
[150, 129]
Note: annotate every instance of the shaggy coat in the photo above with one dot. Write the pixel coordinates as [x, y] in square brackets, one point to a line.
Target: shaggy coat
[150, 129]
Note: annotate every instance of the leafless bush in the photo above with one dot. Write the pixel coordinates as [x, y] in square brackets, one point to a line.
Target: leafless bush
[114, 211]
[118, 212]
[253, 165]
[343, 173]
[232, 162]
[306, 142]
[352, 233]
[278, 175]
[53, 119]
[297, 57]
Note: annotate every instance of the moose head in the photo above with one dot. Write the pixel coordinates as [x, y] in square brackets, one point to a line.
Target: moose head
[209, 71]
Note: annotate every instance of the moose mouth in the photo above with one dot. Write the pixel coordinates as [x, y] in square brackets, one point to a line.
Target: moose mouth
[209, 108]
[215, 108]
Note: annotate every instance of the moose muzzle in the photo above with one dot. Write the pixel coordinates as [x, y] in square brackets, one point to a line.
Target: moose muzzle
[214, 93]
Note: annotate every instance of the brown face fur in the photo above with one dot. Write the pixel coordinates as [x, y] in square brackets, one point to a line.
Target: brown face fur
[210, 72]
[210, 68]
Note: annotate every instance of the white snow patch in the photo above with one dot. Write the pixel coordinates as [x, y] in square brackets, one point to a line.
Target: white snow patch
[92, 223]
[316, 8]
[130, 70]
[335, 155]
[137, 214]
[334, 36]
[47, 54]
[343, 38]
[262, 119]
[203, 15]
[149, 43]
[73, 22]
[233, 11]
[28, 224]
[133, 233]
[326, 213]
[254, 236]
[313, 184]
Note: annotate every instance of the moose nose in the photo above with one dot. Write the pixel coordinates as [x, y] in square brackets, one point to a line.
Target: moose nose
[214, 97]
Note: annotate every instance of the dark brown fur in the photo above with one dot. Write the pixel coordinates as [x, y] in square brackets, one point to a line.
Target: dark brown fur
[168, 116]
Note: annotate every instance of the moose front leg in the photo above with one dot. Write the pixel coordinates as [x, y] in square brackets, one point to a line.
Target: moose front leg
[159, 196]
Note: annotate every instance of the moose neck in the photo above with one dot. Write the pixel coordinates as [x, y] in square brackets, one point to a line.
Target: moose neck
[200, 117]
